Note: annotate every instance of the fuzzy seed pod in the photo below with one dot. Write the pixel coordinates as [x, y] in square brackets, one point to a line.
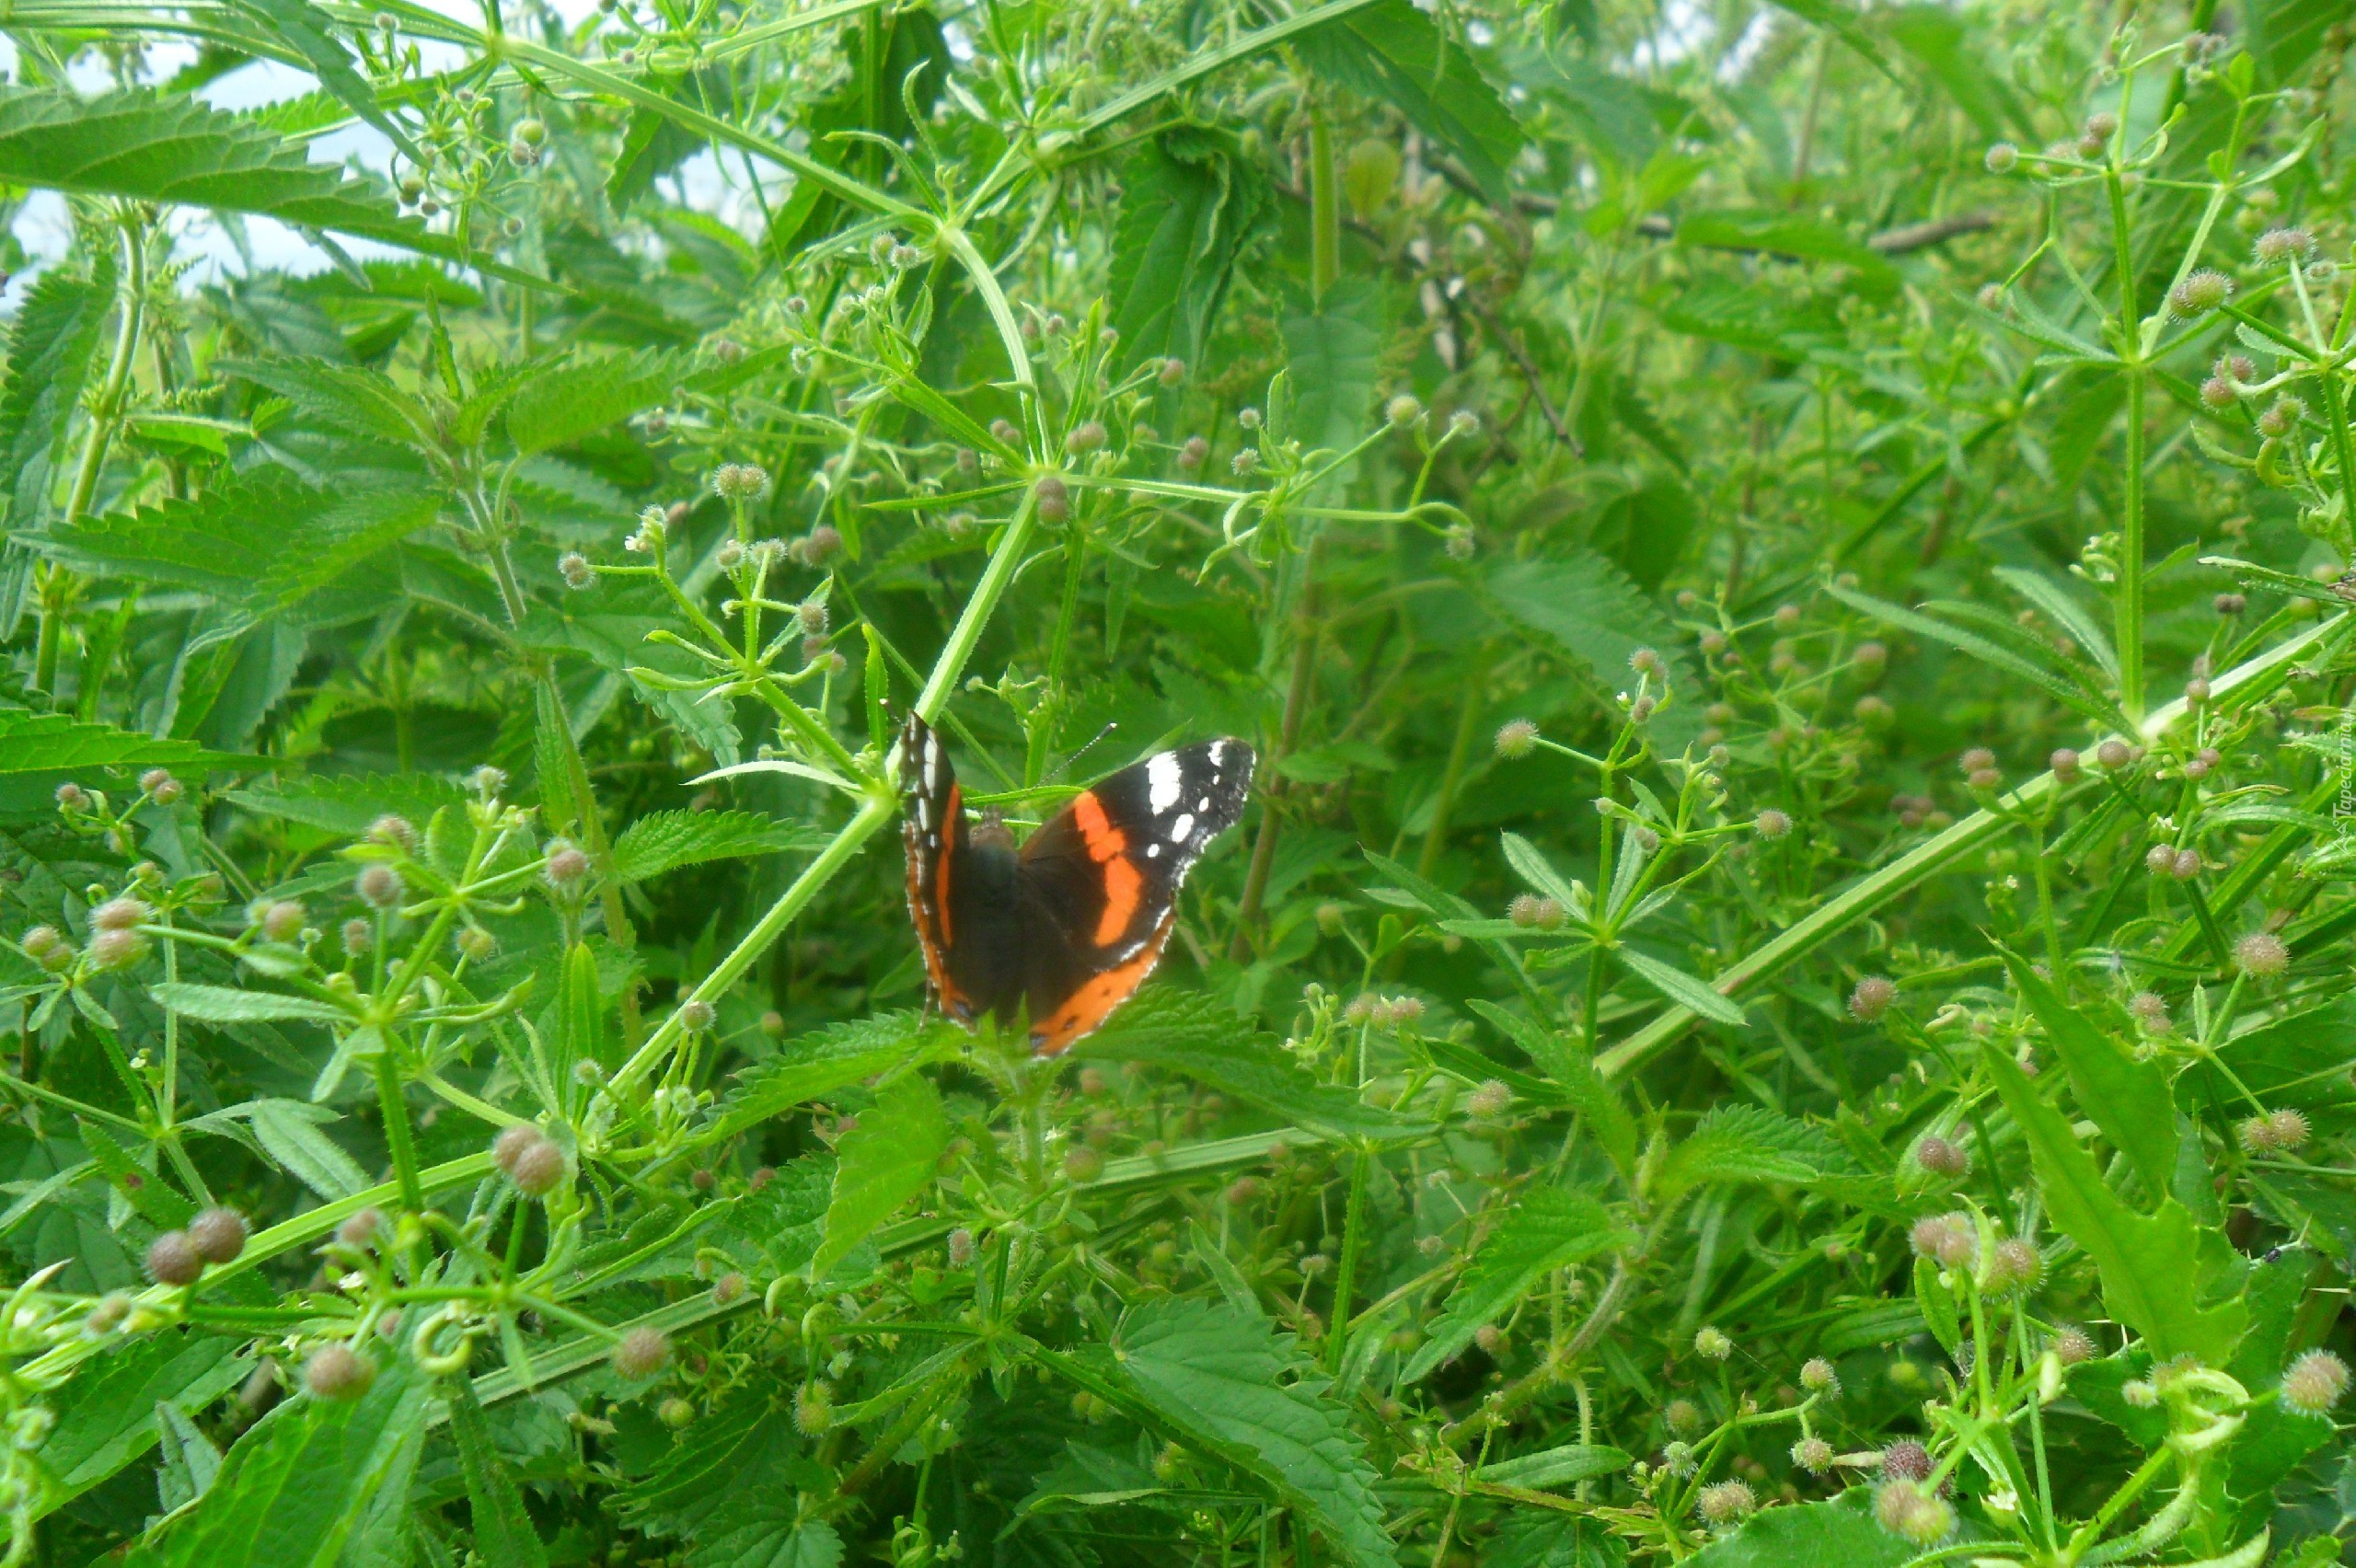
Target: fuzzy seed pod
[1711, 1344]
[641, 1353]
[1819, 1376]
[539, 1171]
[1726, 1502]
[1813, 1455]
[1872, 997]
[379, 885]
[1530, 910]
[2313, 1383]
[173, 1259]
[509, 1145]
[1053, 499]
[1084, 1164]
[1516, 739]
[696, 1015]
[361, 1229]
[2261, 955]
[1936, 1154]
[219, 1234]
[338, 1372]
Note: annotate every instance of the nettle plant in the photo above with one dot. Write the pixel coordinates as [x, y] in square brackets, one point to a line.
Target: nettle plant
[1783, 995]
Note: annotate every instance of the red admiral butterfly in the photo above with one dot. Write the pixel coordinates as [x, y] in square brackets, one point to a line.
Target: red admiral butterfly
[1073, 922]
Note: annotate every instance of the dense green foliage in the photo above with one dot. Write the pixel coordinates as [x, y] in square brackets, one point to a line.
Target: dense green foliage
[1784, 993]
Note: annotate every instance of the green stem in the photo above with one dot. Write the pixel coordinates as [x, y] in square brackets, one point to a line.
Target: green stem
[108, 411]
[2129, 608]
[1345, 1274]
[395, 1111]
[1324, 206]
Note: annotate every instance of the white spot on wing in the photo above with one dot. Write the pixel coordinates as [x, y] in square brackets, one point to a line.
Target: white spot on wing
[1204, 805]
[1153, 851]
[932, 763]
[1162, 782]
[1181, 829]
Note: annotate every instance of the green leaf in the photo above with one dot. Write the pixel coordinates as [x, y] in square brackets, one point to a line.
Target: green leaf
[225, 1004]
[295, 1489]
[667, 840]
[767, 1531]
[1584, 604]
[1747, 1142]
[1532, 866]
[2070, 614]
[1393, 52]
[1187, 1034]
[1937, 40]
[261, 541]
[1545, 1229]
[1587, 1091]
[1784, 233]
[49, 358]
[53, 742]
[346, 804]
[2127, 1099]
[349, 399]
[150, 147]
[1333, 353]
[1842, 22]
[1842, 1533]
[1556, 1466]
[105, 1417]
[2001, 660]
[1189, 197]
[692, 1483]
[1237, 1390]
[2150, 1279]
[818, 1063]
[887, 1159]
[1694, 995]
[1538, 1538]
[306, 30]
[574, 397]
[288, 1131]
[503, 1536]
[189, 1463]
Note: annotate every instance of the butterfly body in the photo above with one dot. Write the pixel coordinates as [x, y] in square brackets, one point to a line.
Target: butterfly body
[1068, 926]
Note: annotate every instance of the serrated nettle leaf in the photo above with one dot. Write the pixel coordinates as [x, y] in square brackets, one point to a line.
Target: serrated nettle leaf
[1842, 1533]
[503, 1529]
[107, 1418]
[1194, 1039]
[814, 1064]
[1391, 52]
[890, 1156]
[1234, 1388]
[1545, 1229]
[49, 345]
[1189, 199]
[667, 840]
[150, 147]
[297, 1487]
[1747, 1142]
[52, 742]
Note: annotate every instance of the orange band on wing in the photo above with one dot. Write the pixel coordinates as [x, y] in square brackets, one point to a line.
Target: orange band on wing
[1123, 883]
[1096, 830]
[1094, 1002]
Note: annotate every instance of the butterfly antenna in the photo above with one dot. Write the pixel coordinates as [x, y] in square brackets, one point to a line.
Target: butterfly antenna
[1094, 741]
